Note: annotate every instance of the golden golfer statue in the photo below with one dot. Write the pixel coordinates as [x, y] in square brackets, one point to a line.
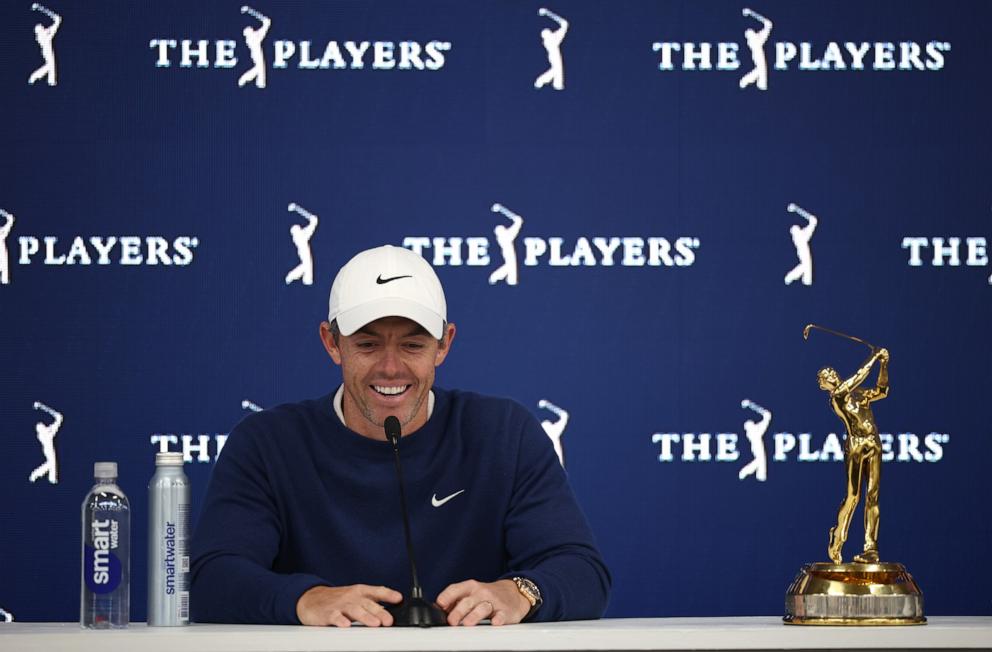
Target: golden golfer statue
[863, 450]
[866, 591]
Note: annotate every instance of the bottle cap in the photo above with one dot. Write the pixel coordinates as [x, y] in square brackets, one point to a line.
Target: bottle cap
[105, 470]
[168, 459]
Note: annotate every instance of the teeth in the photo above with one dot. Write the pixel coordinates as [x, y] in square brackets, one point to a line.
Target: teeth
[390, 391]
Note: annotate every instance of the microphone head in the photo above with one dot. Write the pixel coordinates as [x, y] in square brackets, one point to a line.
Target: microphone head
[392, 427]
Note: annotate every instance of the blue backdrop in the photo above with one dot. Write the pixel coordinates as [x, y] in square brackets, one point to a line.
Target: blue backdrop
[144, 300]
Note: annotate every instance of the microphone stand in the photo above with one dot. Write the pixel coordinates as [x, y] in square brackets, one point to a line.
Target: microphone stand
[415, 611]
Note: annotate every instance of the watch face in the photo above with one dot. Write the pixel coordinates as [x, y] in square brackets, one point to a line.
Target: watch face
[529, 589]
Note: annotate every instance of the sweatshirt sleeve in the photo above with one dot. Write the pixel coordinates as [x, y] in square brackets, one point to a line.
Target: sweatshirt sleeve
[548, 538]
[236, 542]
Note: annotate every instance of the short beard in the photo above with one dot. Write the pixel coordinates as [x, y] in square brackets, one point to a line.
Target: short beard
[367, 411]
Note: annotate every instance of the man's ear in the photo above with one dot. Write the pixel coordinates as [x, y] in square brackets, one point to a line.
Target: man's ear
[445, 346]
[327, 338]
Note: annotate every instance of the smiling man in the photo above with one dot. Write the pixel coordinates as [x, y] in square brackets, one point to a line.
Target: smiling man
[302, 525]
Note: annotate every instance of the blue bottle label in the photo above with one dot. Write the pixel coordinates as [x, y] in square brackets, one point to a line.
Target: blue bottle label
[102, 567]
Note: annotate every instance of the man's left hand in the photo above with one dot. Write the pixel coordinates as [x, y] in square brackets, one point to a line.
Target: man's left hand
[466, 603]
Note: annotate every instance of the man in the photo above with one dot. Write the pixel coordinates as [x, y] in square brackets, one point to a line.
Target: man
[302, 521]
[863, 454]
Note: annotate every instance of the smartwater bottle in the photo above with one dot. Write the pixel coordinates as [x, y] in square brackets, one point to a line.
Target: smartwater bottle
[105, 593]
[168, 536]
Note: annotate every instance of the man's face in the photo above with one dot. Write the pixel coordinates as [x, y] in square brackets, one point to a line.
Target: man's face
[388, 369]
[828, 379]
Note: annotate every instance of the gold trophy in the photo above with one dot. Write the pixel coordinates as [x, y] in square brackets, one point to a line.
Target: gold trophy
[865, 591]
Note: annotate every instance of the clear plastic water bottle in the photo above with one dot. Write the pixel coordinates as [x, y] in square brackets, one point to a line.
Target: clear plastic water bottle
[168, 536]
[105, 593]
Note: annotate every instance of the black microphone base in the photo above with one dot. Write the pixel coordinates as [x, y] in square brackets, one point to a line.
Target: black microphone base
[417, 612]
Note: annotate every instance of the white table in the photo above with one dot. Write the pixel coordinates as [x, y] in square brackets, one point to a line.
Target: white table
[752, 633]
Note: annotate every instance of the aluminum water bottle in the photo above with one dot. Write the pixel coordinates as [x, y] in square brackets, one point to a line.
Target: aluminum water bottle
[105, 594]
[168, 536]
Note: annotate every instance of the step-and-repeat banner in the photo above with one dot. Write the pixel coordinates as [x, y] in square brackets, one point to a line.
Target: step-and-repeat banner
[634, 206]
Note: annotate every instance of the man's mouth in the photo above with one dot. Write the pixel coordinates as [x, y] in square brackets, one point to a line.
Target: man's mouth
[385, 390]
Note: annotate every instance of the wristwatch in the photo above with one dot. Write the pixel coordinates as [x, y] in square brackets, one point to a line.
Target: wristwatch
[530, 591]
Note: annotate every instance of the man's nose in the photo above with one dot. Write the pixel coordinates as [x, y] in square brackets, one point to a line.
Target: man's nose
[390, 363]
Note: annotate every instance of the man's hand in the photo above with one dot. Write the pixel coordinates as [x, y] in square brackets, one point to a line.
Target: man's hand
[340, 605]
[466, 603]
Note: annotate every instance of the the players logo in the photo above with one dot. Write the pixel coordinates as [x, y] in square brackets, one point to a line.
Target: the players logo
[253, 39]
[303, 55]
[555, 74]
[250, 405]
[721, 446]
[801, 235]
[301, 235]
[505, 235]
[45, 433]
[555, 429]
[553, 251]
[855, 56]
[8, 224]
[6, 616]
[45, 37]
[756, 43]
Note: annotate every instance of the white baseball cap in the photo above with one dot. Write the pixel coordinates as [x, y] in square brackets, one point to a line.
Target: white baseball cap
[387, 281]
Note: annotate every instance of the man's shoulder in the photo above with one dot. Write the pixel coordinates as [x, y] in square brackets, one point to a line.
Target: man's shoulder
[477, 411]
[475, 403]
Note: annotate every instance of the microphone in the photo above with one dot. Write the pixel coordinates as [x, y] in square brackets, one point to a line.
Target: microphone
[415, 611]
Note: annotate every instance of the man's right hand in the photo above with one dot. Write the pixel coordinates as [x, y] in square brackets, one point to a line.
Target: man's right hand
[340, 605]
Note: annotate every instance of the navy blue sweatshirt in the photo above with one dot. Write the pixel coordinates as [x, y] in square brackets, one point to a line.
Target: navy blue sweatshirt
[297, 500]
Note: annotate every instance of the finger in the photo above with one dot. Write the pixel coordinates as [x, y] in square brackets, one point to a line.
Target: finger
[381, 594]
[361, 614]
[338, 619]
[482, 610]
[459, 611]
[499, 618]
[378, 612]
[383, 614]
[451, 595]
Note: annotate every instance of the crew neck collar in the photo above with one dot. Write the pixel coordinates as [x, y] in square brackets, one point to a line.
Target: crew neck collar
[339, 397]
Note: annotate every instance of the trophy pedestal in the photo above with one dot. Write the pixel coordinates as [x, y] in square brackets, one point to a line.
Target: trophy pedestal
[854, 594]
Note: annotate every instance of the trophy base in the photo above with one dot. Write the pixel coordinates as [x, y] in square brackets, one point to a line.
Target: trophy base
[854, 594]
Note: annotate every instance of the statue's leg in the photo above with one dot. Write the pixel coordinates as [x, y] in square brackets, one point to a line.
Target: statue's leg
[838, 534]
[873, 467]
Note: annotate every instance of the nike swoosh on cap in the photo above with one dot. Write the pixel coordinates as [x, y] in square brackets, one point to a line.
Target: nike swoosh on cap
[438, 503]
[382, 281]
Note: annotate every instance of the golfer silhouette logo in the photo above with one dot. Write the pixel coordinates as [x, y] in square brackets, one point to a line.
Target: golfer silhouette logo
[555, 429]
[45, 36]
[756, 43]
[755, 432]
[250, 405]
[301, 238]
[5, 227]
[555, 74]
[6, 616]
[45, 432]
[505, 235]
[801, 235]
[253, 39]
